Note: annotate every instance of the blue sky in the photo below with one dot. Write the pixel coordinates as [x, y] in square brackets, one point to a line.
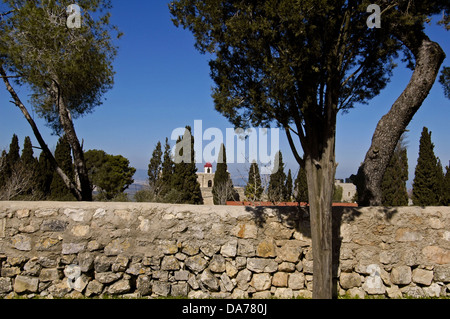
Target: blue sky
[162, 82]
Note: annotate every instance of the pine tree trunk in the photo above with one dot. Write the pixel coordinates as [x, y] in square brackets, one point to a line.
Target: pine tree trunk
[429, 57]
[78, 155]
[70, 185]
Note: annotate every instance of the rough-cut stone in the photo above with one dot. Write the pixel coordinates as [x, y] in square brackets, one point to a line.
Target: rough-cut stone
[170, 263]
[290, 251]
[284, 293]
[209, 280]
[144, 285]
[196, 263]
[442, 273]
[107, 277]
[229, 249]
[102, 263]
[245, 231]
[261, 281]
[180, 289]
[5, 285]
[54, 225]
[374, 284]
[348, 281]
[280, 279]
[181, 275]
[246, 249]
[117, 247]
[226, 282]
[243, 278]
[259, 265]
[437, 255]
[21, 242]
[72, 248]
[401, 275]
[406, 234]
[119, 287]
[60, 289]
[296, 281]
[94, 288]
[75, 214]
[217, 264]
[49, 274]
[434, 290]
[25, 284]
[422, 276]
[266, 248]
[161, 288]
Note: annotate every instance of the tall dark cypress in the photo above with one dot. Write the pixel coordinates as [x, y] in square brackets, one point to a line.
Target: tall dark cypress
[254, 189]
[301, 187]
[63, 156]
[167, 168]
[446, 188]
[184, 178]
[393, 185]
[426, 182]
[288, 197]
[44, 176]
[223, 189]
[277, 183]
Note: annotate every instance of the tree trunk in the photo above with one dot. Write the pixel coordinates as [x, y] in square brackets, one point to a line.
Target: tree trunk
[81, 171]
[70, 185]
[429, 57]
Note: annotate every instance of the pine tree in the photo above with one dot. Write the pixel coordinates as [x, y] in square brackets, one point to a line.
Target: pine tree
[301, 187]
[184, 179]
[277, 183]
[288, 197]
[426, 183]
[393, 185]
[58, 189]
[253, 190]
[154, 169]
[223, 189]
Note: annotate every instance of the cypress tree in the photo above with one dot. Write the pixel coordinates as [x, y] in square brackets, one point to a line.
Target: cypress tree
[393, 185]
[277, 183]
[301, 187]
[167, 168]
[14, 149]
[223, 189]
[426, 181]
[446, 188]
[29, 164]
[253, 190]
[184, 179]
[154, 169]
[288, 197]
[44, 178]
[63, 156]
[3, 168]
[441, 181]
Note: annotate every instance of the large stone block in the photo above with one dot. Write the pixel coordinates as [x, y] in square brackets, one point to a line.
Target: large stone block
[350, 280]
[422, 276]
[260, 265]
[401, 275]
[25, 284]
[196, 263]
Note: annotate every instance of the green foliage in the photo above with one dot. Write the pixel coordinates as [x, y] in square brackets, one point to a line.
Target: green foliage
[58, 190]
[427, 184]
[444, 79]
[111, 174]
[14, 151]
[223, 189]
[154, 169]
[393, 185]
[301, 187]
[50, 58]
[44, 178]
[446, 188]
[166, 170]
[184, 178]
[277, 191]
[288, 197]
[254, 189]
[337, 193]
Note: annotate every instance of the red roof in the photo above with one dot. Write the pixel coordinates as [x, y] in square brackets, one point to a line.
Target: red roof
[208, 165]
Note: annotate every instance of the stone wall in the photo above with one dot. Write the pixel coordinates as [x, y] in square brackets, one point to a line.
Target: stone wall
[71, 250]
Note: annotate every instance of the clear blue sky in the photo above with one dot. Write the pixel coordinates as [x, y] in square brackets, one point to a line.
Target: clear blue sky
[162, 83]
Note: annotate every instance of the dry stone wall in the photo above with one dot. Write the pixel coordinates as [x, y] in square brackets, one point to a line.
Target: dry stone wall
[70, 250]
